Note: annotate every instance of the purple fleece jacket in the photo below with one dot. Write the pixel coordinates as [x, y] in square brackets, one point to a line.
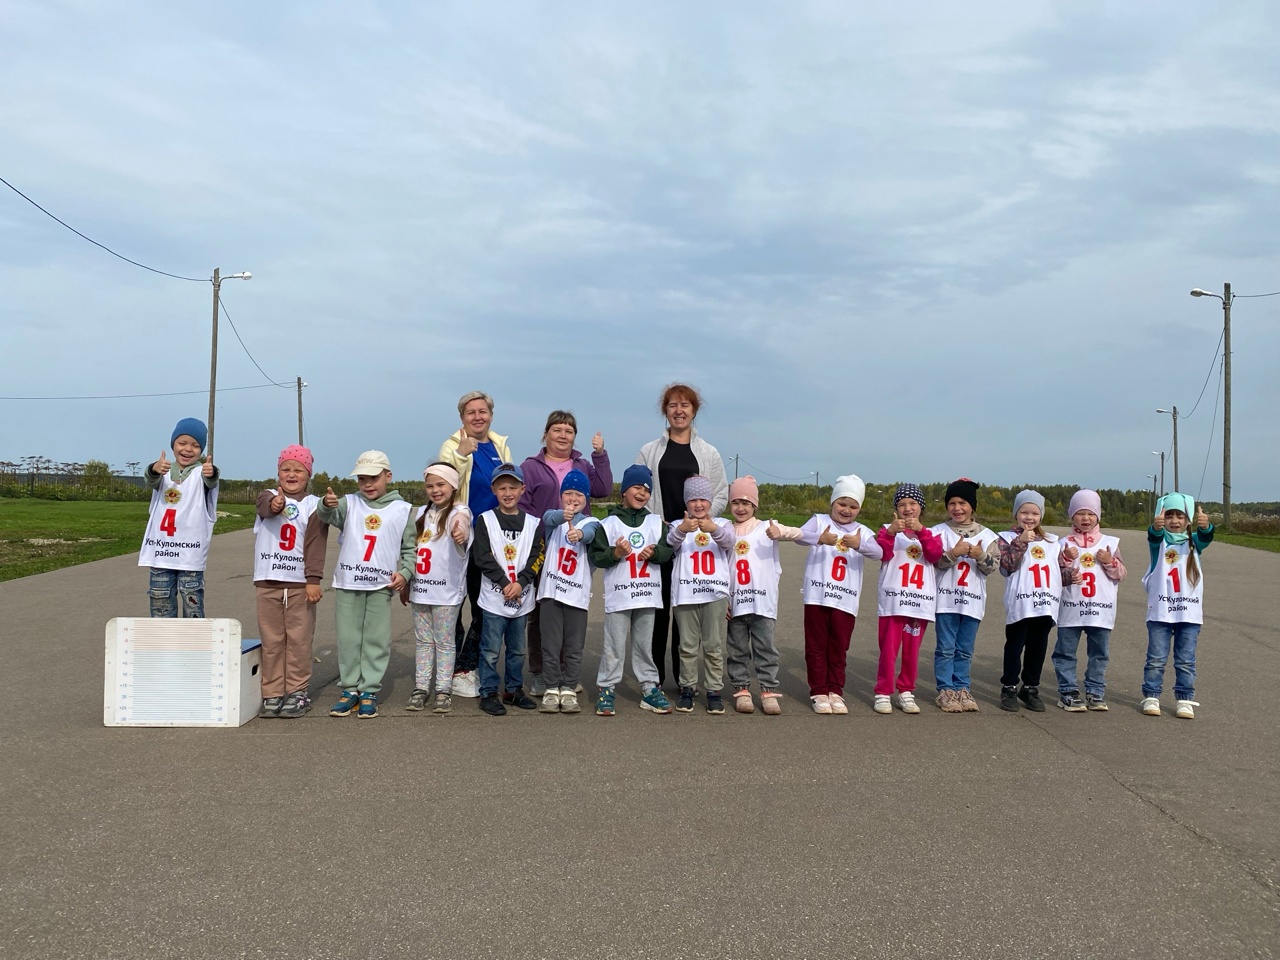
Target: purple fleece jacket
[542, 490]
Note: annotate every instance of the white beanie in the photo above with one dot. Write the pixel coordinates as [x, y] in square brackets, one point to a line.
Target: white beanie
[851, 487]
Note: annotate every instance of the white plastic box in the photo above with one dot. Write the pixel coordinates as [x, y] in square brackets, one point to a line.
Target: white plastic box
[180, 673]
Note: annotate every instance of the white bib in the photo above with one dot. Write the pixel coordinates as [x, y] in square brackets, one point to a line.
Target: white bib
[908, 585]
[369, 545]
[440, 568]
[1034, 588]
[277, 543]
[961, 588]
[180, 525]
[832, 577]
[1170, 598]
[632, 583]
[566, 574]
[701, 570]
[512, 555]
[1092, 601]
[756, 571]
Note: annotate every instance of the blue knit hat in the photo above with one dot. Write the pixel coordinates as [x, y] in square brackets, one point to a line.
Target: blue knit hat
[576, 480]
[637, 475]
[191, 427]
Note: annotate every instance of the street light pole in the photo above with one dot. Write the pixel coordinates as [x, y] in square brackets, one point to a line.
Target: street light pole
[1153, 494]
[300, 386]
[1174, 411]
[1160, 454]
[213, 351]
[1226, 405]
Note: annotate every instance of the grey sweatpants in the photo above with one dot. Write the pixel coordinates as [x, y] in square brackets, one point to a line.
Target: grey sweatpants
[702, 630]
[564, 634]
[636, 625]
[751, 641]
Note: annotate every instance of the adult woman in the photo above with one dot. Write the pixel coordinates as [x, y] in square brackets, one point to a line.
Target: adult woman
[543, 475]
[674, 457]
[474, 451]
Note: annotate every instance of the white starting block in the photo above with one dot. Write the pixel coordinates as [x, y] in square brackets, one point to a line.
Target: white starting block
[180, 673]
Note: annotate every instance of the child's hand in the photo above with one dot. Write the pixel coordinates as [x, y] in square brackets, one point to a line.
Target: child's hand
[314, 592]
[1077, 576]
[897, 526]
[467, 445]
[277, 502]
[707, 525]
[162, 465]
[1202, 518]
[404, 595]
[623, 546]
[647, 552]
[397, 582]
[961, 549]
[512, 591]
[848, 541]
[1104, 556]
[207, 469]
[1027, 535]
[574, 534]
[459, 533]
[913, 524]
[1158, 523]
[330, 498]
[688, 524]
[597, 443]
[827, 538]
[1070, 552]
[773, 531]
[976, 551]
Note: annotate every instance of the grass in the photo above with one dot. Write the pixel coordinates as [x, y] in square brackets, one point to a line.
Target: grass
[1259, 541]
[41, 535]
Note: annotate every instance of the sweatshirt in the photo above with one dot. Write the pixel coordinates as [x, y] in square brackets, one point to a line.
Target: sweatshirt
[337, 517]
[600, 552]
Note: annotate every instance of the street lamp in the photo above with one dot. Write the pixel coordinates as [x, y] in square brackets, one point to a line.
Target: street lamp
[1174, 411]
[1226, 298]
[1160, 454]
[1152, 478]
[213, 353]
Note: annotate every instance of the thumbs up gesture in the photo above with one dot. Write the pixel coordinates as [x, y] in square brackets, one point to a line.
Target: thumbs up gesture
[574, 534]
[961, 549]
[1157, 522]
[330, 498]
[162, 465]
[688, 524]
[975, 550]
[621, 547]
[849, 541]
[1202, 518]
[597, 442]
[459, 532]
[773, 531]
[207, 469]
[898, 525]
[1070, 552]
[278, 501]
[1104, 556]
[467, 445]
[827, 538]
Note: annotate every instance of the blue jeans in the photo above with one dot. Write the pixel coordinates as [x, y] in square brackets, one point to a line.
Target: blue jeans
[1182, 637]
[167, 586]
[956, 634]
[1098, 640]
[493, 631]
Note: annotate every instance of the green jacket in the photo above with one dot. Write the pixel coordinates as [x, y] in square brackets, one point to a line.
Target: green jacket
[600, 551]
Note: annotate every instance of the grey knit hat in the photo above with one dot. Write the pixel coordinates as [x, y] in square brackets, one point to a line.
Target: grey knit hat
[1028, 496]
[697, 488]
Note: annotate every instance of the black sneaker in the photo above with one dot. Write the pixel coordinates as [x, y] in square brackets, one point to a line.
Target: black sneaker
[715, 703]
[685, 703]
[1071, 702]
[417, 700]
[520, 699]
[271, 707]
[295, 705]
[491, 705]
[1009, 699]
[1031, 697]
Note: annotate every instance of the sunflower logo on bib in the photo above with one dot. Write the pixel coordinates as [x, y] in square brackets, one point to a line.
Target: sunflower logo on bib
[373, 522]
[1037, 552]
[1086, 560]
[1171, 556]
[742, 548]
[509, 551]
[172, 495]
[702, 538]
[914, 551]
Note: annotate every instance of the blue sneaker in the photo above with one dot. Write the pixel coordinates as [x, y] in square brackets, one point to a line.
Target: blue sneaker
[685, 703]
[715, 703]
[368, 706]
[604, 702]
[655, 700]
[349, 700]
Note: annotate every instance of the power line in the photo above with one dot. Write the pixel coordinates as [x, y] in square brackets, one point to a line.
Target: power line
[246, 349]
[133, 396]
[1187, 416]
[95, 242]
[774, 475]
[1251, 295]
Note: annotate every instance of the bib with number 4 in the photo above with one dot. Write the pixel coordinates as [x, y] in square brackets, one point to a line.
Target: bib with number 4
[180, 525]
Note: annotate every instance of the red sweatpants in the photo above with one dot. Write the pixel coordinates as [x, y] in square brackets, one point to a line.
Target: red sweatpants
[827, 632]
[905, 634]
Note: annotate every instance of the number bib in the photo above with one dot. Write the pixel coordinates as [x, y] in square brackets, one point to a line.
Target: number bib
[1033, 590]
[961, 588]
[701, 570]
[566, 575]
[632, 583]
[277, 543]
[908, 585]
[755, 575]
[369, 545]
[1170, 597]
[1092, 601]
[440, 565]
[181, 524]
[833, 578]
[512, 555]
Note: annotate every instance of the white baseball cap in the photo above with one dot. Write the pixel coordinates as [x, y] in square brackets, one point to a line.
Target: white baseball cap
[370, 464]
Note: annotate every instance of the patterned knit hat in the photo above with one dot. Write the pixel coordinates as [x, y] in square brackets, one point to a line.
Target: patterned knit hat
[576, 480]
[296, 452]
[908, 491]
[697, 488]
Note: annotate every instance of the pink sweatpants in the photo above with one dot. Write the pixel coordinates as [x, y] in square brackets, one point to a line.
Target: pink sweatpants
[905, 634]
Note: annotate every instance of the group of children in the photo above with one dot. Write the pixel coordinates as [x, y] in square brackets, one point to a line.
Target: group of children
[724, 591]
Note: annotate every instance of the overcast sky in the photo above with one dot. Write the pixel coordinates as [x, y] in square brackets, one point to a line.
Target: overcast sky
[912, 241]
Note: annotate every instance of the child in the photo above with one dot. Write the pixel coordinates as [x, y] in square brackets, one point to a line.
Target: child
[753, 600]
[184, 506]
[565, 593]
[289, 552]
[1029, 562]
[700, 593]
[1175, 601]
[509, 550]
[906, 595]
[632, 591]
[442, 531]
[1091, 576]
[969, 556]
[832, 587]
[375, 559]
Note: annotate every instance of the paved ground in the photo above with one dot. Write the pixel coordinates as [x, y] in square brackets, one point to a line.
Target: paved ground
[973, 835]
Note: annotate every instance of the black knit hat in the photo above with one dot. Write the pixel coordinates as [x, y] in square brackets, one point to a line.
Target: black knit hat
[964, 488]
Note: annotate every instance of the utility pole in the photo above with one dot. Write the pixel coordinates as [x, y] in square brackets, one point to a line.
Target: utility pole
[213, 362]
[1226, 405]
[1177, 485]
[300, 411]
[1160, 454]
[1153, 495]
[735, 466]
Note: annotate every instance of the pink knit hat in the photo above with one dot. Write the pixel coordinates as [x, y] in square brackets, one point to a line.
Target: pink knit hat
[297, 452]
[744, 488]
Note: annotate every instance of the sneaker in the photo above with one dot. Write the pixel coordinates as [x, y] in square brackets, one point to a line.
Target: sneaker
[1095, 703]
[271, 707]
[349, 700]
[604, 702]
[967, 703]
[1185, 710]
[821, 704]
[882, 704]
[715, 703]
[518, 698]
[295, 705]
[685, 701]
[537, 686]
[907, 702]
[417, 700]
[743, 703]
[1009, 699]
[769, 704]
[838, 707]
[569, 701]
[550, 701]
[443, 703]
[1071, 702]
[1031, 697]
[1151, 706]
[368, 706]
[656, 701]
[948, 701]
[491, 705]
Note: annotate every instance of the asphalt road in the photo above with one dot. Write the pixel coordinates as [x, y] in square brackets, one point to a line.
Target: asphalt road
[413, 835]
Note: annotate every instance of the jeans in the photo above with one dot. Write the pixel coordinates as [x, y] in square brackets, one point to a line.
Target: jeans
[167, 586]
[494, 630]
[1182, 637]
[1098, 639]
[956, 635]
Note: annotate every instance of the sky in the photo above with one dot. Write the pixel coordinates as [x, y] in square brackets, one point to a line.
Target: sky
[910, 241]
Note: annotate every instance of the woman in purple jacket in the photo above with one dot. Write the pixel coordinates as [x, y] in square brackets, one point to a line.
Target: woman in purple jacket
[542, 476]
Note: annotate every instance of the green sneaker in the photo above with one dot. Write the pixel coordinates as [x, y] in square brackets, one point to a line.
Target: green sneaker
[655, 701]
[349, 700]
[605, 702]
[368, 706]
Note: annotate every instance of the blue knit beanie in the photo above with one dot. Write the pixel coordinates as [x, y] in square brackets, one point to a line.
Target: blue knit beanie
[576, 480]
[637, 475]
[191, 427]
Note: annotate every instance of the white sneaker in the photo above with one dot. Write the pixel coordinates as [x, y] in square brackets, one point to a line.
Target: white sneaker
[537, 686]
[838, 706]
[550, 702]
[882, 704]
[907, 702]
[821, 703]
[1185, 710]
[1151, 706]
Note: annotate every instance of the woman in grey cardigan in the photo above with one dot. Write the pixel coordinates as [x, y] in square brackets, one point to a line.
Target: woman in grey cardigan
[674, 457]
